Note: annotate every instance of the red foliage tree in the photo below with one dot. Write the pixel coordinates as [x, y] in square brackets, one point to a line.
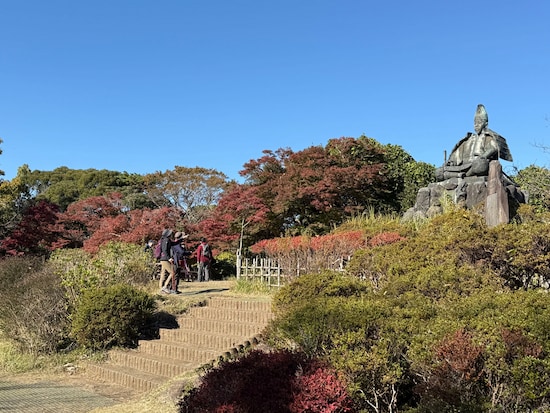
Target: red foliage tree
[95, 221]
[320, 186]
[35, 233]
[240, 212]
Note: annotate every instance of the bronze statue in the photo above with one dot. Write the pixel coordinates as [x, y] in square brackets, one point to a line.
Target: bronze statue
[472, 154]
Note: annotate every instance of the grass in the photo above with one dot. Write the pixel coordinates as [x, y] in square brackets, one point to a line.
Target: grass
[253, 287]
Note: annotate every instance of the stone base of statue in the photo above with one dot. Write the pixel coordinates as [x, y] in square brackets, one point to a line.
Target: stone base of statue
[495, 194]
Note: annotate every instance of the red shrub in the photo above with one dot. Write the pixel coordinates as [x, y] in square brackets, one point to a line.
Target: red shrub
[518, 345]
[276, 382]
[257, 382]
[458, 379]
[320, 390]
[385, 238]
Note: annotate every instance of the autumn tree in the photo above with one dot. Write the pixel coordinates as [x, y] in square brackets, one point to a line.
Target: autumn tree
[193, 191]
[240, 215]
[34, 234]
[95, 221]
[319, 187]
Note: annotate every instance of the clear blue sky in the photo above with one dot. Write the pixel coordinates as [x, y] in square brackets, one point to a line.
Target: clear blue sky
[143, 85]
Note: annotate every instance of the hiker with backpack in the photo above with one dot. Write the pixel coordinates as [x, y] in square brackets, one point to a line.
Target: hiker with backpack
[164, 252]
[204, 259]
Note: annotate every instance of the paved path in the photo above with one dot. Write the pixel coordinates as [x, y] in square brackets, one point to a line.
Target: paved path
[45, 397]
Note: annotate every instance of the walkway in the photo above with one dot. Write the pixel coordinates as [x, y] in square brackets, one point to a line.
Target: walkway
[46, 397]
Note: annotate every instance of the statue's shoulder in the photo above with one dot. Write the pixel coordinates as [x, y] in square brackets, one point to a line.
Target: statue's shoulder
[463, 140]
[503, 149]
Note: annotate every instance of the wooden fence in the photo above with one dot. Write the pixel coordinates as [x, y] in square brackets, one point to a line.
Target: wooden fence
[270, 272]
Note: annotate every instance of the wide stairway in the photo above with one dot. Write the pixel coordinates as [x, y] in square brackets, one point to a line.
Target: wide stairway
[224, 326]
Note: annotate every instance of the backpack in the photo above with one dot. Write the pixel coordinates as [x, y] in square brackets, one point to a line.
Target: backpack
[206, 251]
[157, 252]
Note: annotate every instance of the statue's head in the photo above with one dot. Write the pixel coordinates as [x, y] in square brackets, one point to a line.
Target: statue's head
[481, 120]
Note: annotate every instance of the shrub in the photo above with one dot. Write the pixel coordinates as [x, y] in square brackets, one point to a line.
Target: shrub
[320, 389]
[257, 382]
[457, 382]
[445, 320]
[34, 310]
[275, 382]
[315, 285]
[115, 263]
[112, 316]
[225, 266]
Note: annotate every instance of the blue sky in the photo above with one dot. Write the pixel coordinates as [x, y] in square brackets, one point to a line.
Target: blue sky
[141, 85]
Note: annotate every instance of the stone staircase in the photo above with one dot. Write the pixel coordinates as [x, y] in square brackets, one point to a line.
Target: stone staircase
[205, 333]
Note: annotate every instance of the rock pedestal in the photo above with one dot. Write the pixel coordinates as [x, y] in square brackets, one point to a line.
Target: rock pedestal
[494, 194]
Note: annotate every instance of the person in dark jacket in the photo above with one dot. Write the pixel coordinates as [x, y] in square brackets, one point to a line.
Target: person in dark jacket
[179, 254]
[166, 261]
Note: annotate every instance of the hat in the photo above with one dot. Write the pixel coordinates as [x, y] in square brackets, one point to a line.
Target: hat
[180, 235]
[166, 233]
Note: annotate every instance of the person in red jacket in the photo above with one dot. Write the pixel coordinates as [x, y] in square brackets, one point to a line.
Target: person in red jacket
[204, 258]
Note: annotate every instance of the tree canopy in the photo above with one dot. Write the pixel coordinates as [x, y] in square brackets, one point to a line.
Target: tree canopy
[62, 186]
[319, 187]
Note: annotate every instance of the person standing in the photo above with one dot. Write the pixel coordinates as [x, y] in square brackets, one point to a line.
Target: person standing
[179, 254]
[204, 259]
[166, 261]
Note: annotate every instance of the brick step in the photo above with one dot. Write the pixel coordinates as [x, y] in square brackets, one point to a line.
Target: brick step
[230, 314]
[203, 339]
[149, 363]
[234, 328]
[238, 304]
[219, 329]
[126, 376]
[176, 351]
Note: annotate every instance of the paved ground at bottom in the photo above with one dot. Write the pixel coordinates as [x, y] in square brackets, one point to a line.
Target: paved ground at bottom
[45, 397]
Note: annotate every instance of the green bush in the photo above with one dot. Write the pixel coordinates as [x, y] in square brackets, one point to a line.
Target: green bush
[313, 286]
[112, 316]
[115, 262]
[447, 320]
[225, 266]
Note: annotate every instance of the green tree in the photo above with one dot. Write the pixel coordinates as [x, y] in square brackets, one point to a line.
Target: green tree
[535, 180]
[15, 198]
[406, 175]
[63, 186]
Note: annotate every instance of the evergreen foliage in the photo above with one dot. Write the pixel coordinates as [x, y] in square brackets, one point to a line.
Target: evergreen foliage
[112, 316]
[442, 321]
[115, 263]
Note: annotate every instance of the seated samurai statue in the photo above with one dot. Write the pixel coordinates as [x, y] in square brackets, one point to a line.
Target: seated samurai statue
[472, 154]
